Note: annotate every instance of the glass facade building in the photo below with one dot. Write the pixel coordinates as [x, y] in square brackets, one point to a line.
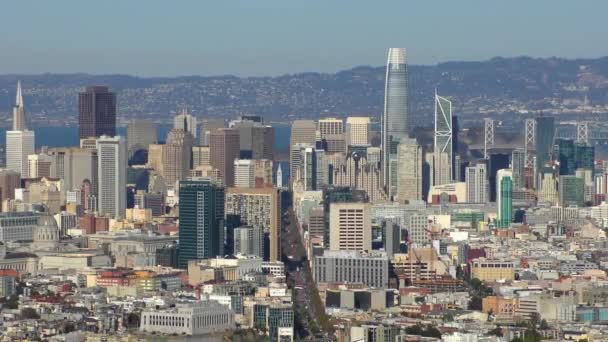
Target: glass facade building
[395, 120]
[201, 213]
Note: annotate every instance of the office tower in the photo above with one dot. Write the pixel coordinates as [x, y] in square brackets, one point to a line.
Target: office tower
[331, 131]
[201, 215]
[418, 227]
[112, 171]
[497, 162]
[395, 120]
[518, 166]
[564, 153]
[316, 221]
[140, 135]
[186, 122]
[208, 126]
[97, 112]
[391, 237]
[476, 179]
[302, 132]
[370, 269]
[544, 135]
[155, 157]
[443, 152]
[457, 170]
[409, 182]
[9, 181]
[571, 191]
[262, 142]
[259, 207]
[309, 169]
[224, 147]
[279, 177]
[75, 165]
[296, 153]
[40, 165]
[19, 145]
[200, 156]
[249, 241]
[153, 201]
[19, 123]
[584, 157]
[547, 192]
[350, 226]
[357, 131]
[244, 173]
[176, 156]
[504, 197]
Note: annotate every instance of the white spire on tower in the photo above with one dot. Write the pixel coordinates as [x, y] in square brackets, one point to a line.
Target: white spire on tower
[279, 177]
[18, 110]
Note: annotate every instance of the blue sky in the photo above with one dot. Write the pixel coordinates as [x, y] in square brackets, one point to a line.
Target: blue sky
[270, 37]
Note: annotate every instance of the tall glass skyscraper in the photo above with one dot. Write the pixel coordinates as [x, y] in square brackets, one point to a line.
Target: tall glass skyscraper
[545, 132]
[504, 198]
[201, 214]
[395, 120]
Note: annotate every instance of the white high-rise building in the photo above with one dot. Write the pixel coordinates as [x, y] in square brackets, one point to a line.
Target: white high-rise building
[357, 131]
[409, 172]
[19, 145]
[350, 226]
[395, 120]
[476, 178]
[444, 155]
[20, 142]
[187, 122]
[244, 173]
[112, 171]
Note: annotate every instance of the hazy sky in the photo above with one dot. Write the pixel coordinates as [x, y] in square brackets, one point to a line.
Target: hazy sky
[269, 37]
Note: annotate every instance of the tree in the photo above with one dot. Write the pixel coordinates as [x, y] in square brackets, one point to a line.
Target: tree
[476, 284]
[475, 303]
[544, 325]
[29, 313]
[496, 332]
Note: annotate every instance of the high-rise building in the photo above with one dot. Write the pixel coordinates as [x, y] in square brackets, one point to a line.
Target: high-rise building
[112, 171]
[244, 173]
[395, 120]
[409, 183]
[9, 181]
[391, 237]
[19, 123]
[544, 135]
[140, 134]
[201, 214]
[208, 126]
[19, 145]
[40, 165]
[309, 169]
[331, 132]
[444, 154]
[518, 166]
[224, 147]
[75, 165]
[258, 207]
[476, 179]
[504, 197]
[176, 156]
[97, 112]
[262, 142]
[249, 241]
[357, 130]
[200, 156]
[186, 122]
[302, 132]
[571, 191]
[497, 162]
[350, 226]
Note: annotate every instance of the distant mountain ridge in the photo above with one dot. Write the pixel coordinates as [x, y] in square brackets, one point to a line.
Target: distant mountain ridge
[496, 87]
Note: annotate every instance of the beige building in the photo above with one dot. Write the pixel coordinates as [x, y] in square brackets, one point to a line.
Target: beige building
[409, 174]
[492, 269]
[176, 156]
[155, 157]
[258, 207]
[200, 156]
[357, 130]
[350, 226]
[224, 148]
[302, 132]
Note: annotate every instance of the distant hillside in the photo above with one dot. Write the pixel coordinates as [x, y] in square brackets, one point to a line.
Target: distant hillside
[498, 87]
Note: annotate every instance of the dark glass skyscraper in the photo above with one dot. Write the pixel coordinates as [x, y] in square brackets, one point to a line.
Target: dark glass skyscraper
[545, 132]
[97, 112]
[201, 214]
